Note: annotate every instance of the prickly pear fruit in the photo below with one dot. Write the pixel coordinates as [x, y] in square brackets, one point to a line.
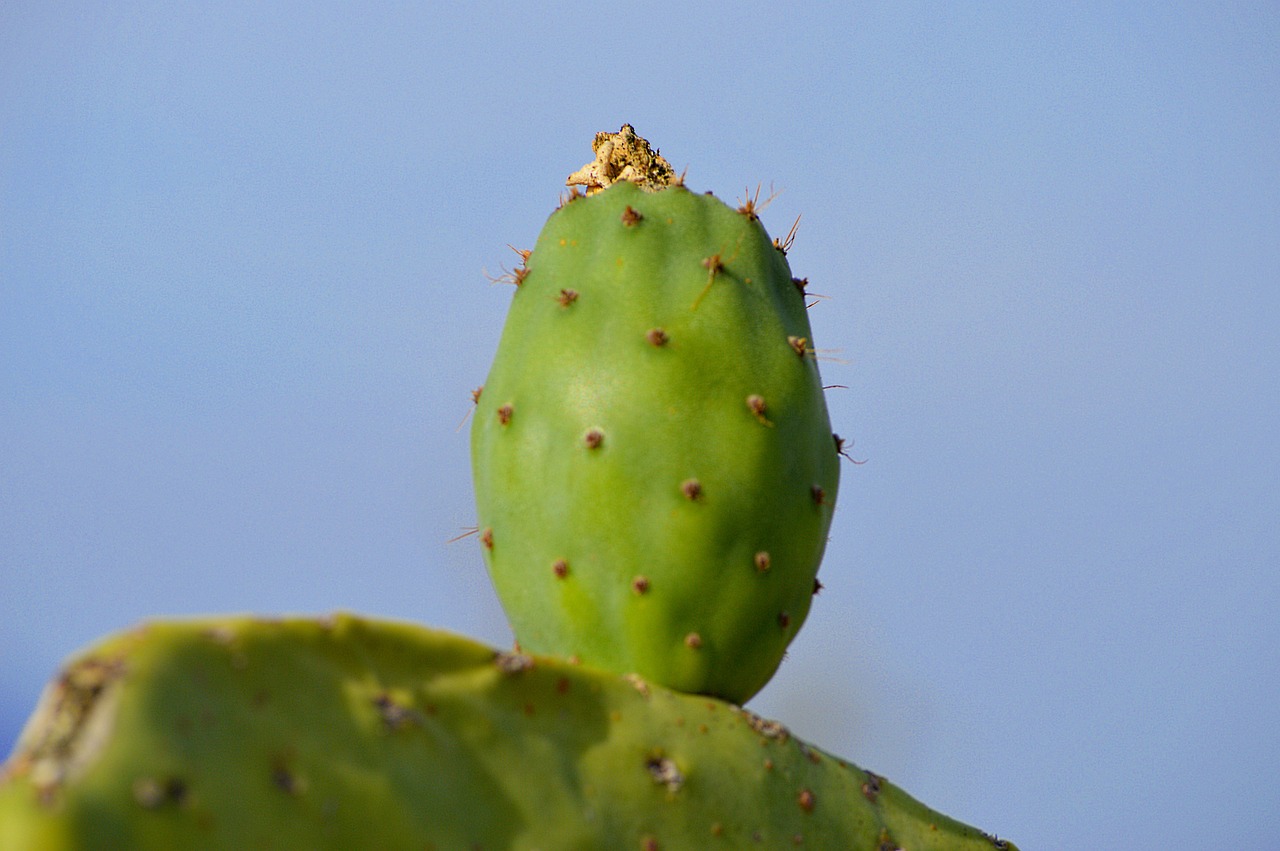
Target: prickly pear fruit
[654, 465]
[344, 733]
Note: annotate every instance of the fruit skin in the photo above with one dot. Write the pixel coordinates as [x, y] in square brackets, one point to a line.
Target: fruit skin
[344, 732]
[654, 465]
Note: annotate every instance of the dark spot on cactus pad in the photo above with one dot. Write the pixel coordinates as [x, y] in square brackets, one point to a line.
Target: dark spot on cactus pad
[395, 716]
[153, 794]
[664, 772]
[657, 337]
[630, 217]
[505, 413]
[766, 728]
[819, 495]
[763, 561]
[513, 663]
[649, 844]
[840, 450]
[817, 586]
[717, 829]
[640, 584]
[800, 283]
[784, 619]
[996, 842]
[798, 839]
[692, 489]
[806, 800]
[593, 438]
[567, 297]
[486, 539]
[560, 568]
[800, 345]
[871, 787]
[756, 405]
[693, 641]
[285, 780]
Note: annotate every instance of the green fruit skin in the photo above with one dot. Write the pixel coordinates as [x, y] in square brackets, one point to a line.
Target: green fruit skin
[344, 732]
[598, 552]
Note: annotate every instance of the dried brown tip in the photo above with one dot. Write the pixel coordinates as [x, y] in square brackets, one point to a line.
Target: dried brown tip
[623, 156]
[486, 539]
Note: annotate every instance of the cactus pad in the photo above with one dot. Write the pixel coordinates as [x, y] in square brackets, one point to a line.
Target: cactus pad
[351, 733]
[654, 464]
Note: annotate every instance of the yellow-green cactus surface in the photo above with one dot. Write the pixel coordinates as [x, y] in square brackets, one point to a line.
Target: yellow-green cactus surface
[343, 733]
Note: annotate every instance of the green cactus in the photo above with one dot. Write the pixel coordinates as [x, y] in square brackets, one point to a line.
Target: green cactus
[345, 733]
[655, 476]
[655, 469]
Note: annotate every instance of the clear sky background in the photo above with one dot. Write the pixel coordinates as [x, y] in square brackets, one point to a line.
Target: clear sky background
[243, 302]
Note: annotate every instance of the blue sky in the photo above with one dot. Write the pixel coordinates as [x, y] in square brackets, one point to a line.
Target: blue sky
[243, 301]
